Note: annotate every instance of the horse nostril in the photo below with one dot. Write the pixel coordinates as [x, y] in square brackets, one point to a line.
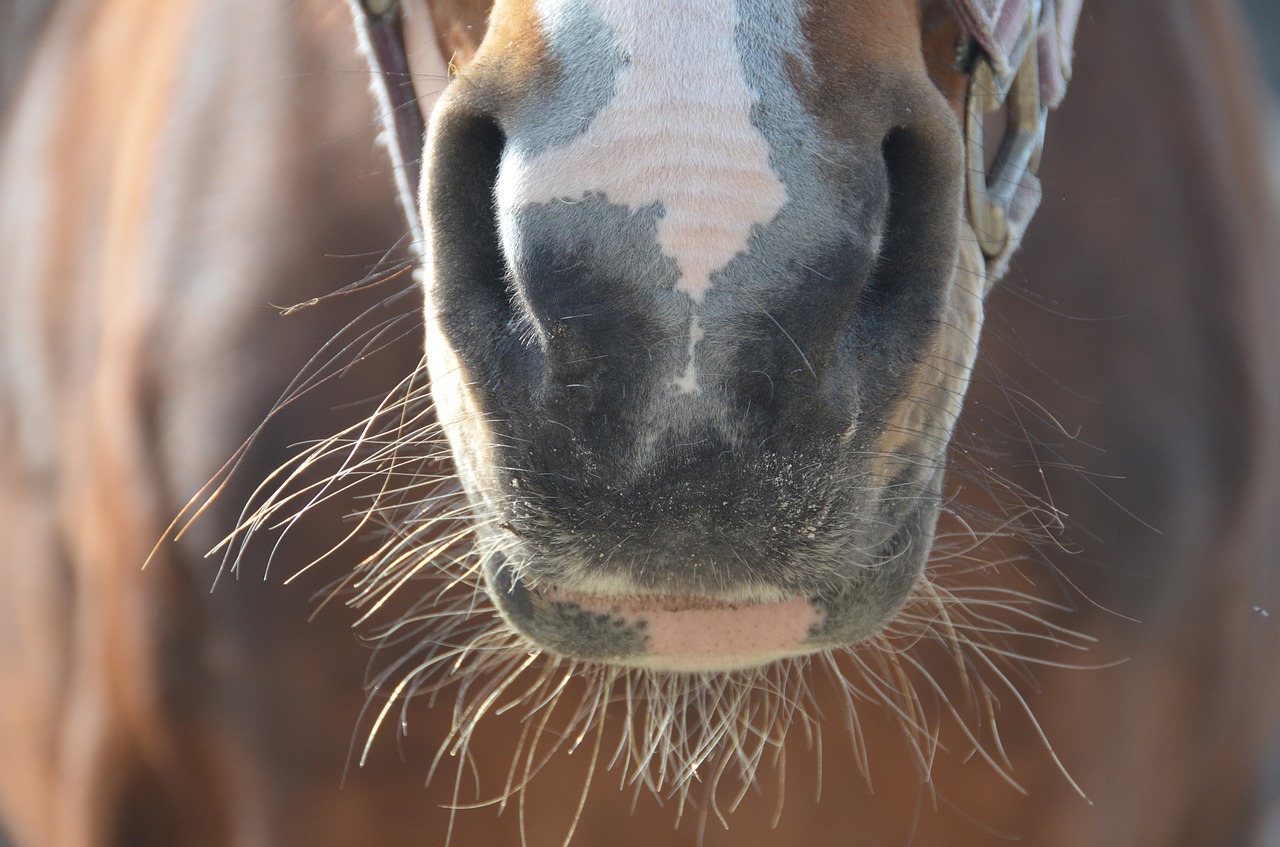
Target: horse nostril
[917, 254]
[469, 291]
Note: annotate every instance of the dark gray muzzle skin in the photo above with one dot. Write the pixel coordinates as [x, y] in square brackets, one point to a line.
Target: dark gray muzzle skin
[591, 473]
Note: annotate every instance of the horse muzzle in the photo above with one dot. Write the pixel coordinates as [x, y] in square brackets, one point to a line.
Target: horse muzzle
[700, 426]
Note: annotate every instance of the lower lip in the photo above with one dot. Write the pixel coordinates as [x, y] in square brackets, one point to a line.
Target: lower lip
[697, 634]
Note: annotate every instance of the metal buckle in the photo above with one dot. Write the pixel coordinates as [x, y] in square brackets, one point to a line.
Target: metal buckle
[991, 193]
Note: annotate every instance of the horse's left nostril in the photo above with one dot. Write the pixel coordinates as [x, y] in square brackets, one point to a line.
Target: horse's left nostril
[917, 255]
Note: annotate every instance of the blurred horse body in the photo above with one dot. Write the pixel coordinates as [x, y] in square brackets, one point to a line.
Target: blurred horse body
[170, 170]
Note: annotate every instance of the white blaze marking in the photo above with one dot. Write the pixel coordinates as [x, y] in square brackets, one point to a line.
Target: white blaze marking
[688, 381]
[677, 132]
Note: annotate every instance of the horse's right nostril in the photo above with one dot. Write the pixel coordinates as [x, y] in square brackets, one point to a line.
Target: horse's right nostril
[470, 292]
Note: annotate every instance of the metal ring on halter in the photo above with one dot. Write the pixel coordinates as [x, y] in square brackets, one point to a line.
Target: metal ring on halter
[991, 192]
[380, 8]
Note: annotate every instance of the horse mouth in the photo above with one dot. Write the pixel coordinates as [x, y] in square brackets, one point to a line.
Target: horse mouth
[699, 632]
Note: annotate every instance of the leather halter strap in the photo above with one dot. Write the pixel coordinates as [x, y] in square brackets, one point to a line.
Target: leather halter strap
[1001, 28]
[1019, 61]
[380, 36]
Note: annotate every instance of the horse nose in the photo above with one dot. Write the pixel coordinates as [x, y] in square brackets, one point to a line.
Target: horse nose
[582, 290]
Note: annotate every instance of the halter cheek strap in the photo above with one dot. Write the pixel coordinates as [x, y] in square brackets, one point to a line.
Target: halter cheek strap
[380, 37]
[1020, 63]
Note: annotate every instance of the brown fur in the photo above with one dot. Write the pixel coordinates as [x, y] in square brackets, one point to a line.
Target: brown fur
[1129, 379]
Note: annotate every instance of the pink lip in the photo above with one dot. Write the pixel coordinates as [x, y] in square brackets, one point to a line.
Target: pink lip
[704, 634]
